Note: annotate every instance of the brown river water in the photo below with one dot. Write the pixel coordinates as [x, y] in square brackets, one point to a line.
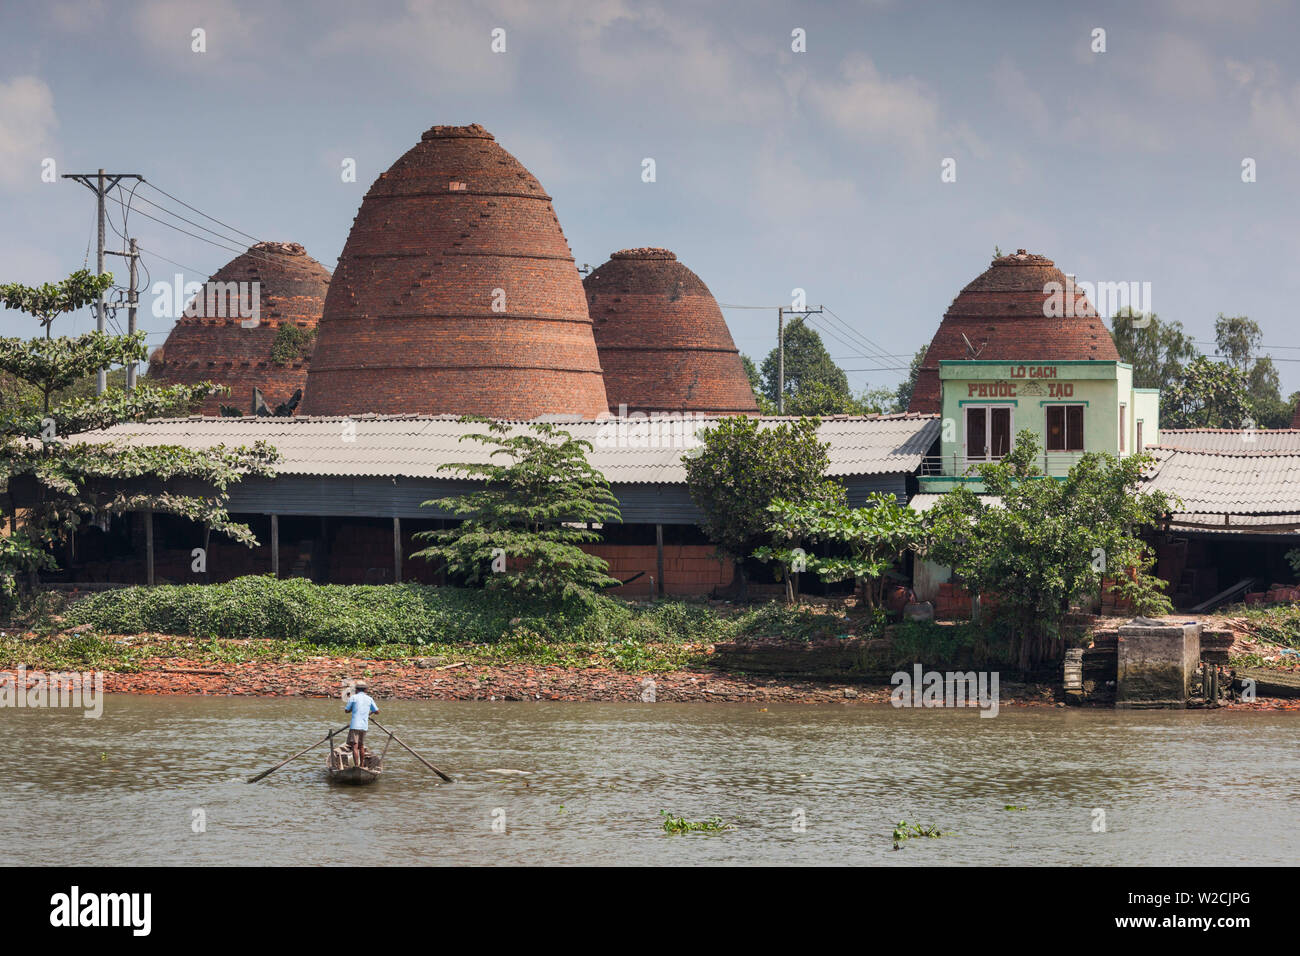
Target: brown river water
[588, 782]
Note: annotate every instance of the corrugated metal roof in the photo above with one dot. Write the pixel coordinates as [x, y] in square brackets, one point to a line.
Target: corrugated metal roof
[625, 451]
[1238, 524]
[1219, 483]
[1231, 439]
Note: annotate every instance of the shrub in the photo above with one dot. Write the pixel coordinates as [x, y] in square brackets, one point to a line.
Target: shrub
[297, 609]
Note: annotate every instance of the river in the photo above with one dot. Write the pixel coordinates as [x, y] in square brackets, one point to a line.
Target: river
[589, 781]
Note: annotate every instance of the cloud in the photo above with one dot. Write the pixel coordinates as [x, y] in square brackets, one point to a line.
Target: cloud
[1178, 66]
[1273, 103]
[168, 25]
[785, 194]
[78, 16]
[1020, 97]
[27, 124]
[865, 105]
[1275, 115]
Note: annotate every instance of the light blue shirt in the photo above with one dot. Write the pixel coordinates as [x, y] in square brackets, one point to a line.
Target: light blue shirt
[361, 706]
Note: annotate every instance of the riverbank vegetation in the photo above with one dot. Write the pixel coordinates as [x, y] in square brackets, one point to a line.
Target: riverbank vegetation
[1273, 623]
[420, 615]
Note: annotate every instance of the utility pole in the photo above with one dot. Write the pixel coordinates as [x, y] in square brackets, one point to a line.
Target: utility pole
[132, 301]
[100, 183]
[780, 350]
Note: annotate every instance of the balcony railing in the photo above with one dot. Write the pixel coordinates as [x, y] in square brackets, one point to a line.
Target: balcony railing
[958, 465]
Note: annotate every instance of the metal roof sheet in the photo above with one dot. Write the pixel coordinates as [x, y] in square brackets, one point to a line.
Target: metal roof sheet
[1219, 483]
[626, 451]
[1246, 440]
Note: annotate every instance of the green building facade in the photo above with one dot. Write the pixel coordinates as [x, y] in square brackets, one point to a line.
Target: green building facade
[1072, 406]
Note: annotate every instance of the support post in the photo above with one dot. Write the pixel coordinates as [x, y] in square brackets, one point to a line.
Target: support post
[133, 299]
[397, 550]
[148, 547]
[659, 558]
[780, 361]
[275, 545]
[100, 183]
[101, 376]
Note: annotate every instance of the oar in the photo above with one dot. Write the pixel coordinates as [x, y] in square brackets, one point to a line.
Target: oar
[298, 754]
[413, 753]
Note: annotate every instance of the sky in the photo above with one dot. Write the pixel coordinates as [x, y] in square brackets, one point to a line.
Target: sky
[776, 168]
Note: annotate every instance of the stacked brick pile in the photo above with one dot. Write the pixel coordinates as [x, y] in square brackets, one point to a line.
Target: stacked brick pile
[1001, 315]
[689, 569]
[953, 602]
[215, 348]
[456, 293]
[664, 345]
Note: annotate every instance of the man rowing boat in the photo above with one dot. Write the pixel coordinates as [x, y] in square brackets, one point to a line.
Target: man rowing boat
[360, 705]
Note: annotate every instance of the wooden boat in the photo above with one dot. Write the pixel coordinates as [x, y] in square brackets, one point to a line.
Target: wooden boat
[342, 767]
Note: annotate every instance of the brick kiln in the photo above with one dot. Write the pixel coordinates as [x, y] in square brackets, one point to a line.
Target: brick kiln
[214, 345]
[456, 293]
[663, 343]
[1000, 317]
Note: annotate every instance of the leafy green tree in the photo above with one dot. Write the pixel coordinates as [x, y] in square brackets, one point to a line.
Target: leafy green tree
[1238, 339]
[1157, 350]
[68, 477]
[865, 542]
[742, 467]
[808, 369]
[906, 387]
[815, 399]
[1207, 395]
[765, 406]
[1049, 541]
[522, 529]
[878, 401]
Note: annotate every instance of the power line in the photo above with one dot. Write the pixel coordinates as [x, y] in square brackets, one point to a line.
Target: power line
[192, 235]
[273, 258]
[197, 225]
[201, 213]
[876, 349]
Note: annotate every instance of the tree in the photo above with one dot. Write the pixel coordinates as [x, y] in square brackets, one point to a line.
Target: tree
[742, 467]
[1156, 349]
[808, 368]
[866, 541]
[765, 406]
[68, 477]
[1049, 541]
[1207, 395]
[1237, 338]
[879, 401]
[908, 385]
[522, 529]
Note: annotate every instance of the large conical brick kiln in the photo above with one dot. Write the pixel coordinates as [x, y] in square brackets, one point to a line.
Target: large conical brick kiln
[456, 293]
[663, 343]
[1003, 315]
[224, 346]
